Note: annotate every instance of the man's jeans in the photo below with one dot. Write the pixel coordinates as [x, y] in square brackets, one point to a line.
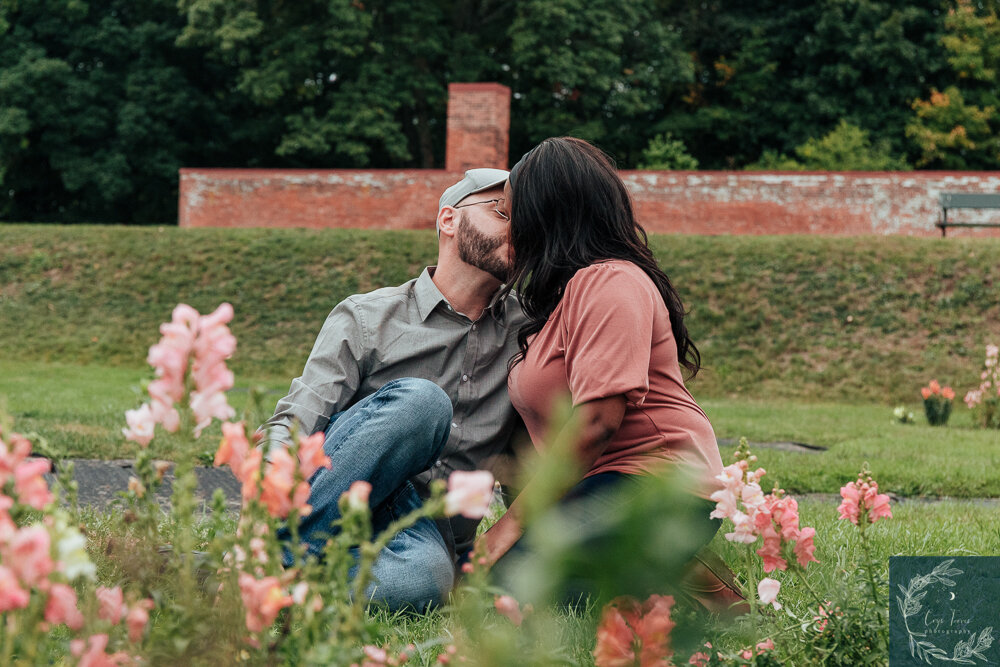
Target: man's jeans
[385, 439]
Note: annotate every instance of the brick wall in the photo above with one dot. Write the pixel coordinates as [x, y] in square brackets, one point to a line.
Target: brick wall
[699, 202]
[693, 202]
[478, 126]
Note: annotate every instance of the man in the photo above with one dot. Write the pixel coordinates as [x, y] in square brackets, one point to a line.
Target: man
[410, 383]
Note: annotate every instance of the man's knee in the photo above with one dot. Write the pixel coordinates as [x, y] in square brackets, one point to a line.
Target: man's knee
[418, 396]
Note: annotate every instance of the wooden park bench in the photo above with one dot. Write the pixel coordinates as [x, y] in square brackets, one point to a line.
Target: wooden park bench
[953, 200]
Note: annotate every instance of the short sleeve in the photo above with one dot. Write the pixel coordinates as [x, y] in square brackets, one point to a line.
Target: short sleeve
[607, 321]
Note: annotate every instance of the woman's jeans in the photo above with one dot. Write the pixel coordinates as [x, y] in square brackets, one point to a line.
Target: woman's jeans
[385, 439]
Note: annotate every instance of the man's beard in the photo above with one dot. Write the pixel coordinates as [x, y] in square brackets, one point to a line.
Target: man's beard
[479, 250]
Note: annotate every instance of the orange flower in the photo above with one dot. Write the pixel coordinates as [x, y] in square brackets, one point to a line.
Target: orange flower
[934, 387]
[948, 393]
[926, 393]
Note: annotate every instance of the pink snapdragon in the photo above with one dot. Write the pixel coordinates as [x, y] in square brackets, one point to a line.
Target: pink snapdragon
[28, 554]
[61, 607]
[191, 342]
[311, 455]
[634, 634]
[30, 485]
[92, 653]
[357, 495]
[767, 591]
[263, 600]
[773, 517]
[111, 605]
[12, 596]
[137, 618]
[862, 504]
[469, 494]
[509, 608]
[279, 491]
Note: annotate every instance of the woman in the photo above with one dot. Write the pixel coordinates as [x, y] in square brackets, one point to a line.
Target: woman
[605, 327]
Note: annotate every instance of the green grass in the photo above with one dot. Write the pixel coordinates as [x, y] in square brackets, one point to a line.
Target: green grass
[79, 410]
[808, 318]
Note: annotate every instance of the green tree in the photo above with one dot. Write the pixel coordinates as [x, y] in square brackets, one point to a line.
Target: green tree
[771, 74]
[665, 152]
[98, 110]
[845, 148]
[596, 69]
[958, 128]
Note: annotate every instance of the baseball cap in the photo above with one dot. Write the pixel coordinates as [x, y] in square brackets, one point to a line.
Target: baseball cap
[475, 180]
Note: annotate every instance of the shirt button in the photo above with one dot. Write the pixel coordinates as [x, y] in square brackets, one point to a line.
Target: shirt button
[438, 464]
[465, 378]
[473, 327]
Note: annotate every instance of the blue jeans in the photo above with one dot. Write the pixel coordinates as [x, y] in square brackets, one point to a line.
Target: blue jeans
[385, 439]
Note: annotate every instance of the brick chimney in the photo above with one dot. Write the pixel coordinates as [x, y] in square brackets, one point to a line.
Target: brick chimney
[478, 126]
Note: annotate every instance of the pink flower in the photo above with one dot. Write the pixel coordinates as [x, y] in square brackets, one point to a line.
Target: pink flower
[28, 555]
[377, 656]
[250, 473]
[615, 641]
[357, 495]
[263, 599]
[12, 596]
[508, 607]
[770, 552]
[767, 591]
[850, 507]
[207, 406]
[725, 504]
[277, 484]
[992, 351]
[653, 628]
[785, 512]
[212, 379]
[110, 604]
[699, 659]
[92, 654]
[29, 485]
[744, 529]
[469, 494]
[628, 628]
[137, 618]
[233, 448]
[311, 454]
[878, 506]
[804, 546]
[140, 425]
[165, 414]
[766, 645]
[61, 607]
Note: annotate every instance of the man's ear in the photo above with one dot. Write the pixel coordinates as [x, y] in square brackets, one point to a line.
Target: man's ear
[447, 221]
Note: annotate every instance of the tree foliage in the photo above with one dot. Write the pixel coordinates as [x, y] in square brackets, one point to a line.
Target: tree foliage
[101, 101]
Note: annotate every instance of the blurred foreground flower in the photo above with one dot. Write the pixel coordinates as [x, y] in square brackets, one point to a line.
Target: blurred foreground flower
[631, 633]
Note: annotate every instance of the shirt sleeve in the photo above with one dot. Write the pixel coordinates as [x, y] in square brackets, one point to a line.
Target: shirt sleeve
[608, 327]
[330, 379]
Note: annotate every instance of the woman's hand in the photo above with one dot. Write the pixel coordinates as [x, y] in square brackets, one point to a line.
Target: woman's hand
[598, 421]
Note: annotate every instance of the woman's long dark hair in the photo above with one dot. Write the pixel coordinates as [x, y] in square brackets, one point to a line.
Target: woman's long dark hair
[569, 209]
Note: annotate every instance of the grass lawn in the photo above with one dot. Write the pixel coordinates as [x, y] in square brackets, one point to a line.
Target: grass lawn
[79, 410]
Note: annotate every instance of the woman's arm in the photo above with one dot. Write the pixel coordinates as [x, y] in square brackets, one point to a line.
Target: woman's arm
[598, 421]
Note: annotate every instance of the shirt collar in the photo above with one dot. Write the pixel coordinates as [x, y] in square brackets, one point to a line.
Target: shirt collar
[426, 293]
[428, 296]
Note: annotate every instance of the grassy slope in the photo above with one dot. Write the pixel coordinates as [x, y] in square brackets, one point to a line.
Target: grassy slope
[796, 317]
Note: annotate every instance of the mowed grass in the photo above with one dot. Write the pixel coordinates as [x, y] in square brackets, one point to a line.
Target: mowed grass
[803, 318]
[79, 411]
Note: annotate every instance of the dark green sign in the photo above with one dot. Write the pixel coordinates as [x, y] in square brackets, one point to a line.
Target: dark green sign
[944, 611]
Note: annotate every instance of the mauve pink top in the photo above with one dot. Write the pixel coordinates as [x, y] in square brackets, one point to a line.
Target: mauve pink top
[610, 335]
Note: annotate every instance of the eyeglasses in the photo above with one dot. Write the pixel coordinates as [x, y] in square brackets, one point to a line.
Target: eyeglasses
[496, 207]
